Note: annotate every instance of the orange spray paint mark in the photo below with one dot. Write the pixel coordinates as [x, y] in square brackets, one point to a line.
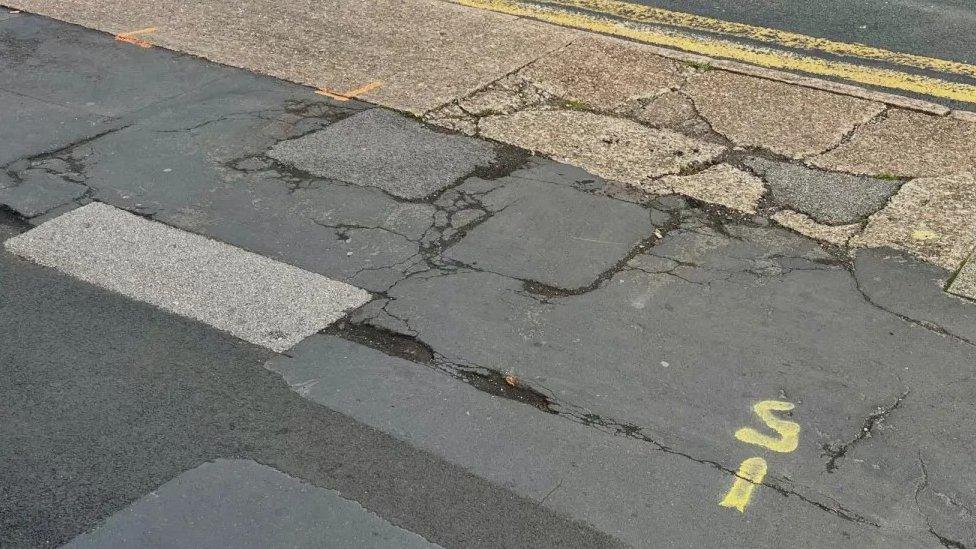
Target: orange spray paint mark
[130, 37]
[351, 94]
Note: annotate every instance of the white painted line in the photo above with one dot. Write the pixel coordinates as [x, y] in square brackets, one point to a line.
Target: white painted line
[257, 299]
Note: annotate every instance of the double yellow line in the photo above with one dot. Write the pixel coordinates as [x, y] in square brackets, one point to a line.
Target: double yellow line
[669, 29]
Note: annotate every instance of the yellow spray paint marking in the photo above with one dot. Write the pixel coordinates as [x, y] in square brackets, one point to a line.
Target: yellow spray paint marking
[789, 432]
[635, 30]
[751, 473]
[924, 234]
[351, 94]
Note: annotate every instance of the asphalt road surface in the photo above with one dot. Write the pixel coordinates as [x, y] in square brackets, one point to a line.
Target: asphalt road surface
[944, 29]
[545, 359]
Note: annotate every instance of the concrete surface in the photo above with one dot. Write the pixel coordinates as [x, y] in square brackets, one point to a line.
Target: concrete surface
[252, 297]
[788, 120]
[241, 503]
[934, 218]
[381, 149]
[722, 185]
[906, 144]
[964, 284]
[614, 148]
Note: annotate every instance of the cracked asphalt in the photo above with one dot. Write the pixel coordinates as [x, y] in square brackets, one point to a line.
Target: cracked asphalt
[548, 358]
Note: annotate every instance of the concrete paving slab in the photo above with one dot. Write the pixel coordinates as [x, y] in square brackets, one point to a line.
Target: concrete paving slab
[964, 284]
[721, 184]
[257, 299]
[40, 191]
[614, 148]
[383, 149]
[933, 218]
[830, 198]
[620, 485]
[838, 235]
[906, 144]
[423, 52]
[241, 503]
[788, 120]
[603, 73]
[552, 234]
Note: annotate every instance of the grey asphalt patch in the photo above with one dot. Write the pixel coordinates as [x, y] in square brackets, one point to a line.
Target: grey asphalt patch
[255, 298]
[240, 503]
[40, 192]
[552, 234]
[31, 126]
[106, 399]
[623, 486]
[383, 149]
[96, 76]
[909, 287]
[831, 198]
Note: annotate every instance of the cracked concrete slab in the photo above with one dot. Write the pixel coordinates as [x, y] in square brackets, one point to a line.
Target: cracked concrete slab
[252, 297]
[829, 198]
[721, 184]
[673, 110]
[906, 144]
[933, 218]
[585, 473]
[964, 283]
[785, 119]
[424, 53]
[614, 148]
[241, 503]
[552, 234]
[838, 235]
[603, 73]
[383, 149]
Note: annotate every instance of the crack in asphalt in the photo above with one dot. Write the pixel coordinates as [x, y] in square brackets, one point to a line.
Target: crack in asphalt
[945, 541]
[492, 381]
[867, 428]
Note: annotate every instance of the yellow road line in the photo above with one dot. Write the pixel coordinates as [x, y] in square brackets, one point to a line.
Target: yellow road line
[649, 15]
[874, 76]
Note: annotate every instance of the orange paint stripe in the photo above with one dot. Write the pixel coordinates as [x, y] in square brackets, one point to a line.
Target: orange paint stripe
[130, 37]
[331, 94]
[346, 96]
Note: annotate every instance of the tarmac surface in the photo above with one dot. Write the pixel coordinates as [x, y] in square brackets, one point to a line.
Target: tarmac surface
[941, 28]
[548, 358]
